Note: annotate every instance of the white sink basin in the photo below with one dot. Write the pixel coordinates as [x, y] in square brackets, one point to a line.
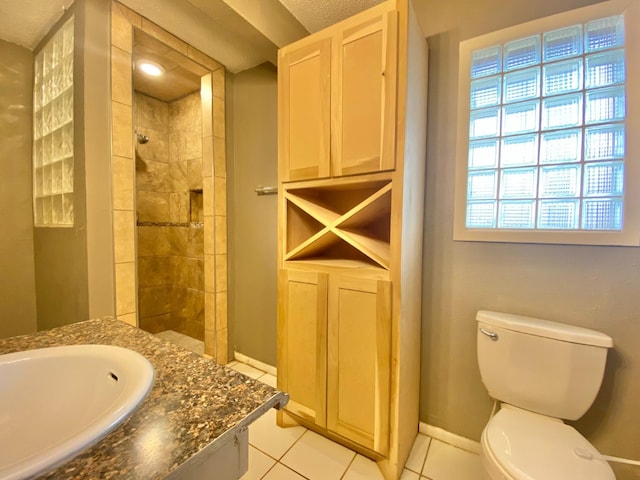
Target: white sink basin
[56, 401]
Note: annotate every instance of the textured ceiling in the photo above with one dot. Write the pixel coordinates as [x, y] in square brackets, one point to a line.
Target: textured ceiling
[238, 33]
[316, 15]
[25, 22]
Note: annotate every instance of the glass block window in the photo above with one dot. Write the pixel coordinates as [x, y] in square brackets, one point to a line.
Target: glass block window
[53, 130]
[546, 130]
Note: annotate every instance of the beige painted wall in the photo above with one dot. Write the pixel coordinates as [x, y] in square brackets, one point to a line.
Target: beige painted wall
[17, 281]
[253, 222]
[595, 287]
[74, 273]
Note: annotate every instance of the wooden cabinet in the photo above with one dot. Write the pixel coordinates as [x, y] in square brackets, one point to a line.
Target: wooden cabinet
[346, 81]
[302, 340]
[350, 216]
[334, 353]
[363, 96]
[358, 346]
[304, 104]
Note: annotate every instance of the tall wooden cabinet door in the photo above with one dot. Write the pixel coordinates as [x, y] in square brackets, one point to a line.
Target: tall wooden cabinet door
[364, 96]
[304, 77]
[302, 343]
[358, 372]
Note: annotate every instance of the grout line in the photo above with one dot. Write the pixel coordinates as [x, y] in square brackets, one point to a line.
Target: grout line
[298, 473]
[262, 451]
[270, 468]
[348, 466]
[286, 451]
[424, 460]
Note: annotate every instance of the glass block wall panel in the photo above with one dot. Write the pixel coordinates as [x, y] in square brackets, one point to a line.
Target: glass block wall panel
[483, 154]
[561, 146]
[519, 150]
[605, 69]
[485, 92]
[518, 182]
[562, 43]
[481, 214]
[558, 214]
[604, 142]
[522, 53]
[547, 130]
[602, 214]
[520, 118]
[53, 130]
[605, 105]
[517, 214]
[522, 85]
[486, 62]
[482, 185]
[604, 33]
[559, 181]
[562, 77]
[484, 123]
[561, 112]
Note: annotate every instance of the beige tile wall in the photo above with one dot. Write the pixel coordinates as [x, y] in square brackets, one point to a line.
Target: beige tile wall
[213, 166]
[168, 182]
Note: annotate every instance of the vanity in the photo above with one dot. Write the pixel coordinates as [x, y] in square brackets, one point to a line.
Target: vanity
[193, 423]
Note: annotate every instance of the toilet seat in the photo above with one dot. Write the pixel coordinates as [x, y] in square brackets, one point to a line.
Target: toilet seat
[528, 446]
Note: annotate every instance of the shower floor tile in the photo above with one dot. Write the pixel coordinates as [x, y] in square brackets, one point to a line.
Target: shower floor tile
[182, 340]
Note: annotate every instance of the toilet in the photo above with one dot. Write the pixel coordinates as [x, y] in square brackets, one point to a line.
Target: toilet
[541, 372]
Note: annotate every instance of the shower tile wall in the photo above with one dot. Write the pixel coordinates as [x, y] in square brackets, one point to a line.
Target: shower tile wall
[169, 210]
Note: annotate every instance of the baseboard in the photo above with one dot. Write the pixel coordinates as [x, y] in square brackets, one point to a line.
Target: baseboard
[255, 363]
[450, 438]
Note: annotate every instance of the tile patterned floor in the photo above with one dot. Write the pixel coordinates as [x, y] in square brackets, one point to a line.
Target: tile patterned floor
[296, 453]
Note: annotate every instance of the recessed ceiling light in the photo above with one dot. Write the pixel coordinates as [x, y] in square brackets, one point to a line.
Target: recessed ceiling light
[151, 68]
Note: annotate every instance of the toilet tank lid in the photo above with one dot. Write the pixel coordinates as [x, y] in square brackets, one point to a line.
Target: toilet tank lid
[545, 328]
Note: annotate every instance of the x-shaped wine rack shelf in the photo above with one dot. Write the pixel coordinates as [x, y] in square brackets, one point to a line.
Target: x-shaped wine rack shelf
[365, 226]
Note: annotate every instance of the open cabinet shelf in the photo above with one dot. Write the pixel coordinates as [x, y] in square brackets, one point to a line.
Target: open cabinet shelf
[339, 222]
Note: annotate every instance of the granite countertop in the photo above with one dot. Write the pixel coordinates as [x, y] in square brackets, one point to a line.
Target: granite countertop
[192, 403]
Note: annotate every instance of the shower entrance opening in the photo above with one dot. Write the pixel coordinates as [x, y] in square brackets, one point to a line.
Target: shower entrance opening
[179, 190]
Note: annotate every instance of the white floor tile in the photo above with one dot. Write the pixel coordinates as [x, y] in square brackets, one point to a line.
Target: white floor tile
[445, 462]
[418, 453]
[259, 464]
[265, 435]
[363, 469]
[318, 458]
[269, 379]
[248, 370]
[409, 475]
[280, 472]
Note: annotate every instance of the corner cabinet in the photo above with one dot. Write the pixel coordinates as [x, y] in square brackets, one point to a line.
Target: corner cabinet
[352, 147]
[337, 101]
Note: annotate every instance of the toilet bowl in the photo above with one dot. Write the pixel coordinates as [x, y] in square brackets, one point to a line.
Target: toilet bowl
[541, 372]
[518, 445]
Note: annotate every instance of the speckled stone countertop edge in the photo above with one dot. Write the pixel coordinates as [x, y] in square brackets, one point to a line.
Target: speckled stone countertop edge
[193, 408]
[278, 401]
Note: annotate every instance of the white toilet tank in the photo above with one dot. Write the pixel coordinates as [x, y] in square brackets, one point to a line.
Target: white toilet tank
[541, 366]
